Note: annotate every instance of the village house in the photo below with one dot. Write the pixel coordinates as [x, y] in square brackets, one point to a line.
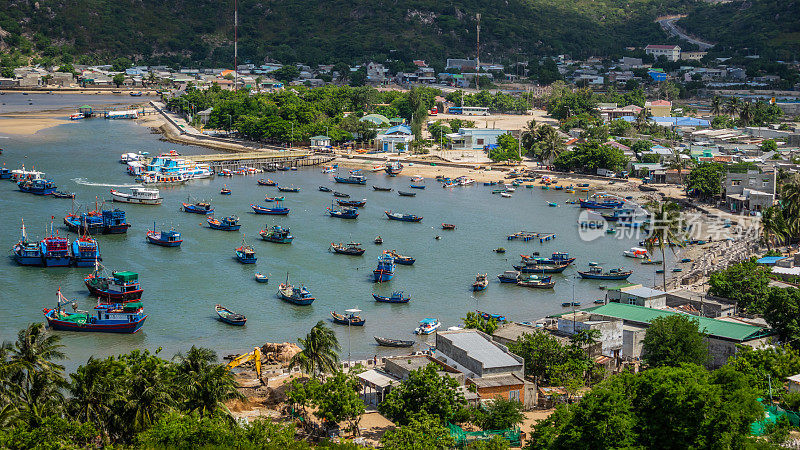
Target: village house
[474, 138]
[395, 139]
[636, 294]
[751, 191]
[671, 52]
[659, 108]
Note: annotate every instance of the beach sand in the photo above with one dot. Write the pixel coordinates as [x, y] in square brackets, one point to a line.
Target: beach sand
[31, 123]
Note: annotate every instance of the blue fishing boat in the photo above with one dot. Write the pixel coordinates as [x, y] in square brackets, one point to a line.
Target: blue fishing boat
[119, 287]
[489, 316]
[107, 318]
[509, 276]
[556, 258]
[170, 238]
[400, 259]
[353, 203]
[385, 269]
[225, 190]
[198, 207]
[542, 268]
[352, 179]
[261, 278]
[27, 253]
[325, 189]
[229, 317]
[277, 234]
[350, 319]
[597, 273]
[481, 282]
[246, 254]
[288, 189]
[604, 204]
[343, 212]
[230, 223]
[106, 221]
[278, 210]
[55, 251]
[295, 295]
[393, 168]
[427, 326]
[85, 251]
[5, 173]
[402, 217]
[37, 187]
[396, 297]
[416, 186]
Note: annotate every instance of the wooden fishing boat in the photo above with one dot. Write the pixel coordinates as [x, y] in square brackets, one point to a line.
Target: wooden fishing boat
[448, 226]
[85, 251]
[246, 254]
[62, 194]
[509, 276]
[230, 223]
[416, 186]
[274, 199]
[37, 187]
[378, 240]
[288, 189]
[381, 189]
[277, 234]
[276, 211]
[351, 319]
[119, 287]
[229, 317]
[396, 297]
[555, 258]
[197, 207]
[402, 217]
[406, 194]
[170, 238]
[295, 295]
[268, 182]
[552, 204]
[393, 168]
[400, 259]
[481, 282]
[261, 278]
[108, 318]
[568, 304]
[225, 191]
[385, 342]
[499, 250]
[352, 179]
[597, 273]
[385, 269]
[342, 212]
[353, 203]
[651, 262]
[542, 268]
[325, 189]
[489, 316]
[677, 269]
[340, 194]
[539, 284]
[352, 249]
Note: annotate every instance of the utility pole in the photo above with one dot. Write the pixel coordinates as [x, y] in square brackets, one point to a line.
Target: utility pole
[478, 56]
[235, 45]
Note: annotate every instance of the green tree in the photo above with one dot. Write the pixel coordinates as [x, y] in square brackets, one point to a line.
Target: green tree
[118, 79]
[359, 77]
[121, 64]
[674, 340]
[206, 385]
[320, 351]
[507, 149]
[286, 73]
[338, 400]
[590, 156]
[543, 356]
[716, 105]
[53, 433]
[769, 145]
[782, 313]
[766, 368]
[705, 180]
[746, 283]
[774, 228]
[424, 392]
[476, 321]
[494, 443]
[501, 413]
[421, 433]
[664, 230]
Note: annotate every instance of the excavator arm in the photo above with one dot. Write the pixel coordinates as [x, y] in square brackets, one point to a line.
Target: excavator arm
[254, 356]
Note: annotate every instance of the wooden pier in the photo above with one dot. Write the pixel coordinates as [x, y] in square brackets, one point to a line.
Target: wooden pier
[264, 160]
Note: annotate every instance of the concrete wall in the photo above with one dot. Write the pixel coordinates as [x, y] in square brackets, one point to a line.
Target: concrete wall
[632, 342]
[619, 296]
[489, 393]
[460, 356]
[611, 337]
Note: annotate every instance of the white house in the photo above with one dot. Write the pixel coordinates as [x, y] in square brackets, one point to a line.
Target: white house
[671, 52]
[395, 139]
[320, 142]
[474, 138]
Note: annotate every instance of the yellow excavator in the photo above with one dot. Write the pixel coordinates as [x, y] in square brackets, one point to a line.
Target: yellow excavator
[254, 356]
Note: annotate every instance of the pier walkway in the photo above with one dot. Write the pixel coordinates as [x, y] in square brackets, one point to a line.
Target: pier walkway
[264, 160]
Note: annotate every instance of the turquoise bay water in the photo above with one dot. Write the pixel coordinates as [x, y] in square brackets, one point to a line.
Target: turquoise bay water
[181, 286]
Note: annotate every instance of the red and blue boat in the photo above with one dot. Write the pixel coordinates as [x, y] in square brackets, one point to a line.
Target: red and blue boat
[394, 168]
[278, 210]
[555, 259]
[603, 204]
[246, 254]
[230, 223]
[349, 319]
[343, 212]
[198, 208]
[402, 217]
[107, 318]
[55, 251]
[37, 187]
[119, 287]
[277, 234]
[295, 295]
[396, 297]
[385, 269]
[400, 259]
[85, 251]
[169, 238]
[107, 221]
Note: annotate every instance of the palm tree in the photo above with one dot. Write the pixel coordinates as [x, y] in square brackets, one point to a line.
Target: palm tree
[206, 385]
[35, 350]
[716, 105]
[92, 395]
[320, 351]
[528, 135]
[746, 113]
[678, 163]
[790, 195]
[773, 226]
[732, 106]
[665, 229]
[642, 118]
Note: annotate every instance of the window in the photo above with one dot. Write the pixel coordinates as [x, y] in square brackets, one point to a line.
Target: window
[480, 141]
[752, 182]
[513, 395]
[736, 182]
[631, 301]
[764, 183]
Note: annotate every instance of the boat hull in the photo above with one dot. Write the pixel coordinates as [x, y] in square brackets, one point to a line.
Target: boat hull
[383, 342]
[161, 243]
[595, 276]
[57, 261]
[270, 211]
[111, 327]
[114, 296]
[380, 276]
[296, 301]
[196, 209]
[539, 269]
[382, 299]
[121, 198]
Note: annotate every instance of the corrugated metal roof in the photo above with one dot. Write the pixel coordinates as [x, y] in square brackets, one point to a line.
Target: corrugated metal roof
[479, 348]
[644, 292]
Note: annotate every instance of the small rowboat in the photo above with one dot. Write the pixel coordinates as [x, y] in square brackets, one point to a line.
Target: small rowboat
[384, 342]
[481, 282]
[274, 199]
[382, 189]
[505, 194]
[540, 284]
[406, 194]
[448, 226]
[277, 211]
[225, 191]
[288, 189]
[340, 194]
[378, 240]
[396, 297]
[352, 319]
[324, 189]
[263, 182]
[62, 194]
[568, 304]
[229, 317]
[261, 278]
[416, 186]
[352, 203]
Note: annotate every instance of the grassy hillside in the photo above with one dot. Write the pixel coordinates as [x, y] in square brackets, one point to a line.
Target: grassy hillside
[200, 31]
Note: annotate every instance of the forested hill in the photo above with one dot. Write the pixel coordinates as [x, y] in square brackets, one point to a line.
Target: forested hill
[201, 31]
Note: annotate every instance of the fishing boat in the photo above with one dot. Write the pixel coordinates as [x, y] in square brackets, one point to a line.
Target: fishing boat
[385, 342]
[229, 317]
[277, 234]
[169, 238]
[552, 204]
[62, 194]
[542, 283]
[402, 217]
[686, 260]
[267, 182]
[568, 304]
[85, 251]
[294, 295]
[381, 189]
[542, 268]
[342, 212]
[393, 168]
[427, 326]
[649, 261]
[37, 187]
[108, 318]
[278, 210]
[555, 258]
[246, 254]
[509, 276]
[325, 189]
[400, 259]
[350, 319]
[353, 203]
[340, 194]
[416, 186]
[659, 271]
[229, 223]
[352, 249]
[406, 194]
[352, 179]
[135, 94]
[378, 240]
[385, 269]
[396, 297]
[288, 189]
[603, 204]
[76, 116]
[597, 273]
[98, 222]
[505, 195]
[274, 199]
[5, 173]
[138, 195]
[225, 191]
[499, 250]
[448, 226]
[197, 207]
[119, 287]
[261, 278]
[636, 252]
[27, 253]
[481, 282]
[677, 269]
[55, 251]
[490, 316]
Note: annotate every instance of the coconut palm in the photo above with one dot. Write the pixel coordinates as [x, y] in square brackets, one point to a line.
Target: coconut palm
[678, 163]
[746, 113]
[528, 135]
[790, 196]
[206, 385]
[733, 105]
[642, 118]
[716, 105]
[550, 144]
[320, 351]
[35, 350]
[93, 394]
[664, 229]
[773, 226]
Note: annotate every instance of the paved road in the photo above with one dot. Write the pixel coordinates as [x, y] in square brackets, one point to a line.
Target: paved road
[672, 29]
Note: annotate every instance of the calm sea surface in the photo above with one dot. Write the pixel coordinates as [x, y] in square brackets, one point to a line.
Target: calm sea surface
[181, 286]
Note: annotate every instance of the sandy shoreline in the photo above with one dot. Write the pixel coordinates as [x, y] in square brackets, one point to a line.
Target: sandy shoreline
[31, 122]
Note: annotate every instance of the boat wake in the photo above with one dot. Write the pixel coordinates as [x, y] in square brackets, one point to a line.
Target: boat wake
[85, 182]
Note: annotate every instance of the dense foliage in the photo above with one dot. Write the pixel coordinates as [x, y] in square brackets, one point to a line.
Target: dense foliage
[674, 340]
[552, 364]
[423, 393]
[745, 282]
[705, 180]
[590, 156]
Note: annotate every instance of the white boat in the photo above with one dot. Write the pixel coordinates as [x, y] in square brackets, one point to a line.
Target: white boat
[164, 178]
[427, 326]
[22, 174]
[505, 194]
[139, 196]
[76, 116]
[636, 252]
[129, 157]
[135, 167]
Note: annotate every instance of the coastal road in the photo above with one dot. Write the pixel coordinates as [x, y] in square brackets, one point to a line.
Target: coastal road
[668, 24]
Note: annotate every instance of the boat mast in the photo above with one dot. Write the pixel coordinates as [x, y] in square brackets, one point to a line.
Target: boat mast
[235, 44]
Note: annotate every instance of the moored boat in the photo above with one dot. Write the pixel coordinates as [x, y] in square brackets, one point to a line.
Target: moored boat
[27, 253]
[263, 182]
[261, 278]
[294, 295]
[197, 207]
[85, 251]
[481, 282]
[636, 252]
[277, 234]
[278, 210]
[400, 259]
[230, 223]
[229, 317]
[546, 283]
[542, 268]
[108, 318]
[246, 254]
[225, 190]
[119, 287]
[354, 178]
[169, 238]
[396, 297]
[37, 186]
[427, 326]
[597, 273]
[340, 194]
[352, 249]
[406, 194]
[98, 222]
[509, 276]
[416, 186]
[274, 199]
[402, 217]
[62, 194]
[448, 226]
[349, 319]
[393, 168]
[381, 189]
[55, 251]
[138, 195]
[386, 342]
[378, 240]
[353, 203]
[325, 189]
[385, 269]
[288, 189]
[490, 316]
[342, 212]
